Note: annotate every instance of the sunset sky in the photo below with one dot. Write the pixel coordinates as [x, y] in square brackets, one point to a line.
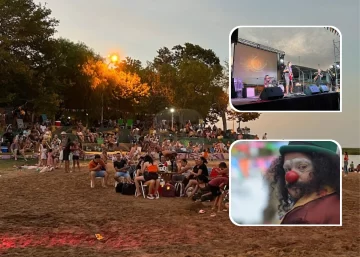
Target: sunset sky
[138, 28]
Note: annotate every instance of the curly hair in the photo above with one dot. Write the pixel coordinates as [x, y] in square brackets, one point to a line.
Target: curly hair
[326, 173]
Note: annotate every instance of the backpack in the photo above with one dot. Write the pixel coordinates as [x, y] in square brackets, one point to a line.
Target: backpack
[119, 187]
[128, 189]
[168, 191]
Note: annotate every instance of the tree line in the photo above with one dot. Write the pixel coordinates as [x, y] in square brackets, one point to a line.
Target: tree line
[56, 74]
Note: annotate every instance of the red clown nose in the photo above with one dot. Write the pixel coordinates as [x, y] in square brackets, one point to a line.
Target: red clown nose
[291, 176]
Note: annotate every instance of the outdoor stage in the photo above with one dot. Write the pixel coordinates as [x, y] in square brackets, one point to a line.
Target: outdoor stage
[319, 102]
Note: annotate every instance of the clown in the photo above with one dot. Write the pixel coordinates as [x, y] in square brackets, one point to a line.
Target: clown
[307, 179]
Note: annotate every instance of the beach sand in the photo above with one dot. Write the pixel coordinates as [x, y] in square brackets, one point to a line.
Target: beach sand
[57, 214]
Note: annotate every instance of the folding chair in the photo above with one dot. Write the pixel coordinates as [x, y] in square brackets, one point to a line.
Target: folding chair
[142, 186]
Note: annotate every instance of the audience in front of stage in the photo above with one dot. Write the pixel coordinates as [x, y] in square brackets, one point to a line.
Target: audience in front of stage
[121, 169]
[97, 169]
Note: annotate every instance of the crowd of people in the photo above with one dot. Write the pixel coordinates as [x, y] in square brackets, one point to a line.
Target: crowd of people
[195, 180]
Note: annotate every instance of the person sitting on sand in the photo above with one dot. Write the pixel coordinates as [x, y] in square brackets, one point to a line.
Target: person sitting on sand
[351, 169]
[201, 192]
[97, 169]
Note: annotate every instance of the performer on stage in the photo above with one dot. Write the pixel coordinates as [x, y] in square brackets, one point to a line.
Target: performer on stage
[267, 81]
[318, 77]
[307, 180]
[288, 77]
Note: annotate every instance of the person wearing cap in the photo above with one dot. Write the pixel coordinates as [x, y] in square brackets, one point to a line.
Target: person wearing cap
[307, 179]
[97, 169]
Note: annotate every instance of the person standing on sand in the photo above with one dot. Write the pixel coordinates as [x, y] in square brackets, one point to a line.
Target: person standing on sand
[66, 155]
[346, 163]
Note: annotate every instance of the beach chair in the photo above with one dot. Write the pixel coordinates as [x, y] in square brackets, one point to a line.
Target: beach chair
[129, 124]
[121, 123]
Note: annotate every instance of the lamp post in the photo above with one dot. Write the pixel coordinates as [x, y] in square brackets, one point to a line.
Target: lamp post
[114, 58]
[172, 110]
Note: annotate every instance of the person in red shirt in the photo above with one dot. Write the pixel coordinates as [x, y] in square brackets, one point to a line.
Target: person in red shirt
[97, 169]
[346, 162]
[217, 186]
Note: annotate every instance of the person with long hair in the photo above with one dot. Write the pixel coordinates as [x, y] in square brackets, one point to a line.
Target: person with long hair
[306, 178]
[288, 77]
[149, 175]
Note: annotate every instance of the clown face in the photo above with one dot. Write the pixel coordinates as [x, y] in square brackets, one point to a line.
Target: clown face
[299, 172]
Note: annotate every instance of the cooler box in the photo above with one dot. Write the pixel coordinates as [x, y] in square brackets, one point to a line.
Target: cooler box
[57, 123]
[4, 149]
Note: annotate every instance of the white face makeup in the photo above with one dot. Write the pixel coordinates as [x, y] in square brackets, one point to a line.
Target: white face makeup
[300, 164]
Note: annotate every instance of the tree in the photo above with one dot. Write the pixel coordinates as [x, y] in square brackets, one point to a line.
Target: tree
[26, 31]
[220, 101]
[121, 84]
[242, 116]
[188, 76]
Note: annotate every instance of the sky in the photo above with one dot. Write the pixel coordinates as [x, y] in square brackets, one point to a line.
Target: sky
[314, 46]
[138, 28]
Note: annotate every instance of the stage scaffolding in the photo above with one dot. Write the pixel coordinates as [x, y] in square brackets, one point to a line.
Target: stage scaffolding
[260, 46]
[337, 60]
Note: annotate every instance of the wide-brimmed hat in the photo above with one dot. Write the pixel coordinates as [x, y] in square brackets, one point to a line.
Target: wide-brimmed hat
[325, 147]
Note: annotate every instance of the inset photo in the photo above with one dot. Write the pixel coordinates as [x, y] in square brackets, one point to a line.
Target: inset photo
[285, 183]
[285, 69]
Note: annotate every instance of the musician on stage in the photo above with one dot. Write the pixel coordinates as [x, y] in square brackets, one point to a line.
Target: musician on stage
[267, 81]
[318, 77]
[288, 78]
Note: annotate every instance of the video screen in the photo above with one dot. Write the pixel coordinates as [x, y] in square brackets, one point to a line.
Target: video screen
[251, 65]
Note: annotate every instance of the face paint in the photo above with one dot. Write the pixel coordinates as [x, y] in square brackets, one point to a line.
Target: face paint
[298, 165]
[297, 175]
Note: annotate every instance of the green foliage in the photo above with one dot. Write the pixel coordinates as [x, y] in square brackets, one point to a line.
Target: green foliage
[26, 31]
[242, 116]
[56, 74]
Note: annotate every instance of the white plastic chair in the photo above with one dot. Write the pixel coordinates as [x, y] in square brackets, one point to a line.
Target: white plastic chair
[102, 181]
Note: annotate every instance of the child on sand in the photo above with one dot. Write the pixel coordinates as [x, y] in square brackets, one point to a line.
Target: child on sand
[50, 158]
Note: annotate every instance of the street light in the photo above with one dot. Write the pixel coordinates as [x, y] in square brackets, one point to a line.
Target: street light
[114, 58]
[172, 110]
